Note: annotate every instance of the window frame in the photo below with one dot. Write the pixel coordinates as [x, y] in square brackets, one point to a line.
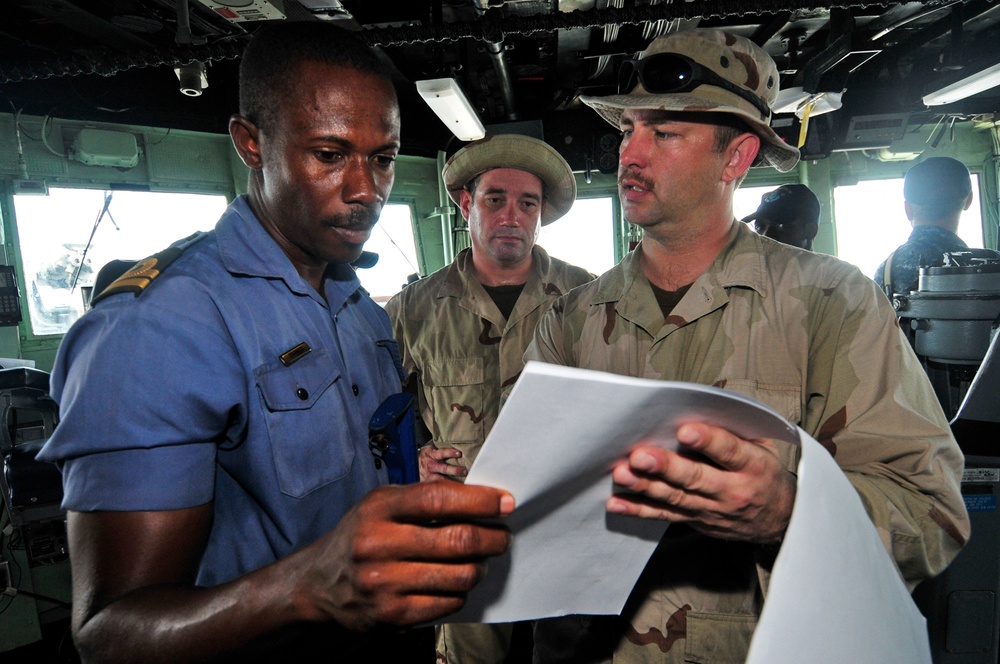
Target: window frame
[30, 342]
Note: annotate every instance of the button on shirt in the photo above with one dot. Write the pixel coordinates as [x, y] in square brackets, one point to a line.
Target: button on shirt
[177, 397]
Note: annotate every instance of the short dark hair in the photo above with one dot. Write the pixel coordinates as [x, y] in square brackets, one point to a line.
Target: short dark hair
[728, 127]
[276, 49]
[938, 210]
[471, 185]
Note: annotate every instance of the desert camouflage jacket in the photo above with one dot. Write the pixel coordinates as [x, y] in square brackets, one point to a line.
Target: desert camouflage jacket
[452, 334]
[816, 340]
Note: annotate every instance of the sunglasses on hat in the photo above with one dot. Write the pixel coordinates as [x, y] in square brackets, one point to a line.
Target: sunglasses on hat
[666, 73]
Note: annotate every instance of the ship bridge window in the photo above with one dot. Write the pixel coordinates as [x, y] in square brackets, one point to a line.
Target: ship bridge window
[747, 199]
[584, 236]
[871, 222]
[392, 240]
[67, 236]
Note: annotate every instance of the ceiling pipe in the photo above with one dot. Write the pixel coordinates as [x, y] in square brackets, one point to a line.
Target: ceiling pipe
[492, 27]
[184, 35]
[495, 49]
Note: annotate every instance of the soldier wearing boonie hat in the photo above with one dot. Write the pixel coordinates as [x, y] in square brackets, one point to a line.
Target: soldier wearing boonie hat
[522, 153]
[706, 71]
[463, 329]
[704, 299]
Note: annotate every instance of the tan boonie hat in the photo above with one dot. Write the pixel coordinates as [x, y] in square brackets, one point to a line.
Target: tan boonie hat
[522, 153]
[735, 59]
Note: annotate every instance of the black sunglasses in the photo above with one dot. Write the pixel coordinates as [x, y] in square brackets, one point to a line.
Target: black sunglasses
[665, 73]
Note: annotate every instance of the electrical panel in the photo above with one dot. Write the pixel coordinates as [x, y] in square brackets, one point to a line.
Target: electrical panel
[10, 297]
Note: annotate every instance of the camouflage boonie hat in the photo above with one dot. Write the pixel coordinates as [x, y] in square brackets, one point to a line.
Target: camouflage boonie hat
[734, 58]
[519, 152]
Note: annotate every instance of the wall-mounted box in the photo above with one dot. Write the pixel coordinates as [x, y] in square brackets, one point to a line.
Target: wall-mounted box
[99, 147]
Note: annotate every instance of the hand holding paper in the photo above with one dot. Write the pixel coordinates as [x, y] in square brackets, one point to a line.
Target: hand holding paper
[722, 485]
[552, 448]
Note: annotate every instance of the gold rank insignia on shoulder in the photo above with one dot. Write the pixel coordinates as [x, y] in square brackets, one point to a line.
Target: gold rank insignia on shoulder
[294, 354]
[140, 275]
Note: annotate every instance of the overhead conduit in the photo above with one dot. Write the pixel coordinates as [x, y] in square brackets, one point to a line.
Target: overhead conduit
[492, 28]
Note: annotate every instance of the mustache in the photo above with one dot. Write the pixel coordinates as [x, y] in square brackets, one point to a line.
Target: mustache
[630, 174]
[359, 218]
[511, 232]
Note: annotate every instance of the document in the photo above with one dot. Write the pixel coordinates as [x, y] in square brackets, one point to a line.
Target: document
[833, 577]
[834, 595]
[552, 448]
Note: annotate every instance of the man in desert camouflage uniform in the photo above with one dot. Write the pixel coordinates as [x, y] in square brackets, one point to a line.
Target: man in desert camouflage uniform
[464, 329]
[705, 299]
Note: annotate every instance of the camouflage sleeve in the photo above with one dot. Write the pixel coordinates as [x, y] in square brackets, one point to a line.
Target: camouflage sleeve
[547, 343]
[394, 307]
[874, 409]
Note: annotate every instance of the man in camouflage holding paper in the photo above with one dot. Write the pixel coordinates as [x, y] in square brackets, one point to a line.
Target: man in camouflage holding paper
[704, 299]
[464, 329]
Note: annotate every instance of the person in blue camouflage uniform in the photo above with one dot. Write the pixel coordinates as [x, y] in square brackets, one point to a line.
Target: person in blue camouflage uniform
[936, 192]
[789, 214]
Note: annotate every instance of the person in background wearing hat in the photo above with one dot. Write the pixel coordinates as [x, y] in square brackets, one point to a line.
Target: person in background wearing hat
[936, 192]
[789, 214]
[706, 300]
[463, 329]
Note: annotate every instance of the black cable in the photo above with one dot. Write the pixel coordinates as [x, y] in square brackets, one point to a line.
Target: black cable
[51, 600]
[492, 26]
[110, 64]
[90, 241]
[10, 579]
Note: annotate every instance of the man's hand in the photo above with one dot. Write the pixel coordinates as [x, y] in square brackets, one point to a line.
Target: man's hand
[432, 463]
[404, 555]
[722, 485]
[399, 557]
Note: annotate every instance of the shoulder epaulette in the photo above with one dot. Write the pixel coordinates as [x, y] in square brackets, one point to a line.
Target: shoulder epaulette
[140, 275]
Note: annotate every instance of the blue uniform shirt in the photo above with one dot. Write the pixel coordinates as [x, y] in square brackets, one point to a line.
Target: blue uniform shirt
[177, 397]
[925, 247]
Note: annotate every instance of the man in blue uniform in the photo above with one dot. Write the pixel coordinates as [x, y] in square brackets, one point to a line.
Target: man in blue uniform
[789, 214]
[222, 501]
[936, 192]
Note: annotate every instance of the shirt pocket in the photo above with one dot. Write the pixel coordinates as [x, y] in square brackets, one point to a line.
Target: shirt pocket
[304, 412]
[454, 390]
[786, 399]
[718, 638]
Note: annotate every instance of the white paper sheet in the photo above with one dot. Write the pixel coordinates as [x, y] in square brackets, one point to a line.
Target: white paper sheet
[552, 448]
[834, 596]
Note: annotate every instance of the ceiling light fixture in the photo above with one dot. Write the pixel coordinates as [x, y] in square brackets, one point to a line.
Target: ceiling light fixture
[966, 87]
[192, 78]
[450, 104]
